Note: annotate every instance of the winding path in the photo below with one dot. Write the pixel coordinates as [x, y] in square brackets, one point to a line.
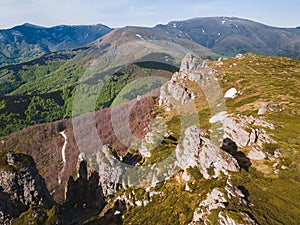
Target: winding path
[63, 151]
[63, 155]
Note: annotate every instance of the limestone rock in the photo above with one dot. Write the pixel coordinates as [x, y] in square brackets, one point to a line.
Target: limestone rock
[238, 129]
[110, 171]
[190, 68]
[189, 63]
[266, 107]
[214, 200]
[256, 154]
[171, 91]
[233, 191]
[203, 153]
[21, 186]
[225, 219]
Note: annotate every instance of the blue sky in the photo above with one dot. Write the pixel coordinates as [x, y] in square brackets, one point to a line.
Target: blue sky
[115, 13]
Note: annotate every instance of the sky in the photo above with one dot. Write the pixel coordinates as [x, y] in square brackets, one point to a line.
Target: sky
[117, 13]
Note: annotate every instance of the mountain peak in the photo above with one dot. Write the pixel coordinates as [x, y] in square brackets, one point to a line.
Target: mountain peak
[30, 25]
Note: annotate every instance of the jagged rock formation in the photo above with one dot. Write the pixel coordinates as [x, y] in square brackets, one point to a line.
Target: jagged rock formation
[189, 64]
[196, 150]
[172, 91]
[215, 200]
[225, 219]
[109, 169]
[84, 197]
[85, 192]
[240, 131]
[21, 186]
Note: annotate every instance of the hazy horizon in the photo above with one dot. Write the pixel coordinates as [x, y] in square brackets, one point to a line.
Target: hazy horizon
[137, 13]
[65, 24]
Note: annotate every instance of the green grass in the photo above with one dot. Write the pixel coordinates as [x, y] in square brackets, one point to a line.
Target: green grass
[37, 216]
[175, 206]
[273, 199]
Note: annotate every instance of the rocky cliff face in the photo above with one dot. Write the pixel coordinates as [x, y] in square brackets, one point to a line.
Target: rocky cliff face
[85, 191]
[84, 196]
[21, 186]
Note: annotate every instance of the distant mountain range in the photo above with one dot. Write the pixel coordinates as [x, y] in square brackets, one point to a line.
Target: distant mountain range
[229, 36]
[225, 36]
[27, 41]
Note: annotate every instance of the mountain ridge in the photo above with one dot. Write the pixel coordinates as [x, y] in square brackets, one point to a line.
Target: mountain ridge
[26, 41]
[229, 36]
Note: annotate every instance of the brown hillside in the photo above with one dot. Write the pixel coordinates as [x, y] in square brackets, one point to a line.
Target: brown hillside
[44, 141]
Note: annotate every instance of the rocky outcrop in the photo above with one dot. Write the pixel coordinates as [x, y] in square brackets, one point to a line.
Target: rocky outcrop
[225, 219]
[85, 192]
[256, 154]
[240, 131]
[215, 200]
[84, 197]
[174, 90]
[21, 186]
[171, 91]
[110, 170]
[189, 64]
[196, 150]
[267, 107]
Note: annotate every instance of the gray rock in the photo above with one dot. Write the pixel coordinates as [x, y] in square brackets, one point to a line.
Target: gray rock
[172, 91]
[189, 63]
[214, 200]
[233, 191]
[240, 131]
[21, 186]
[266, 107]
[110, 171]
[256, 154]
[203, 153]
[224, 219]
